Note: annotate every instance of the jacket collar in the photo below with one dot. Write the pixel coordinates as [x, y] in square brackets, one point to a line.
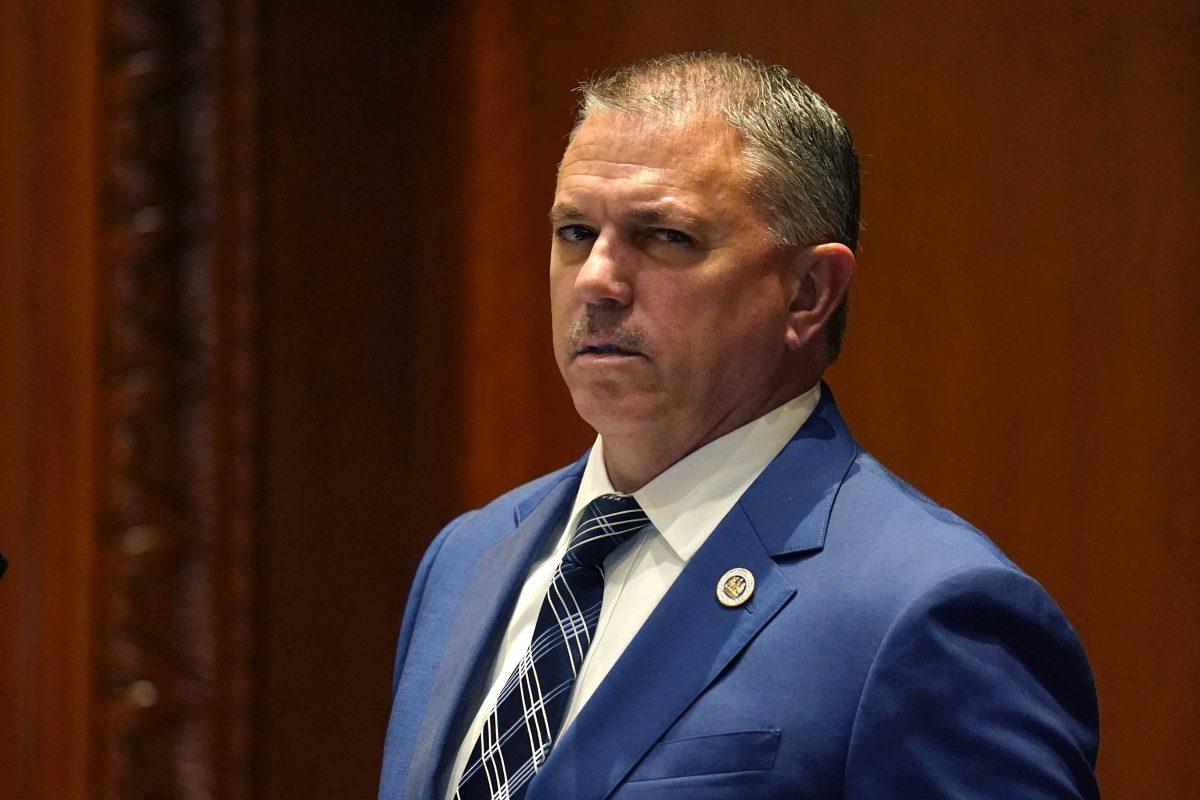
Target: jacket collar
[789, 504]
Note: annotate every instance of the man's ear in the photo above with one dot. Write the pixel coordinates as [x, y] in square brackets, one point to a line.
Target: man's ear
[822, 278]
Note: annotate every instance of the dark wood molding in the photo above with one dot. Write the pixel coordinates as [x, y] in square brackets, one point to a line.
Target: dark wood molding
[177, 164]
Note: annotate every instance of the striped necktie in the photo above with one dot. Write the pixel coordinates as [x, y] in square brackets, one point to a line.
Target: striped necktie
[518, 734]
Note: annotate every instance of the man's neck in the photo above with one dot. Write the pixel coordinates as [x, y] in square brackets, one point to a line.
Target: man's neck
[629, 471]
[634, 459]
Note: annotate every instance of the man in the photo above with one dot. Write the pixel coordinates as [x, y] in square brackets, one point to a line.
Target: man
[726, 597]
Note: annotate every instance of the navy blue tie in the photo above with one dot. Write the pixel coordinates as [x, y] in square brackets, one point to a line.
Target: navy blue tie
[521, 729]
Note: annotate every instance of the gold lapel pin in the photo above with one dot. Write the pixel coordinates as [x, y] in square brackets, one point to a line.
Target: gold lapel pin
[735, 587]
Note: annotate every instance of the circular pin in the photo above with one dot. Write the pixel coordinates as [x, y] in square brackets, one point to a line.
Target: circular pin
[735, 587]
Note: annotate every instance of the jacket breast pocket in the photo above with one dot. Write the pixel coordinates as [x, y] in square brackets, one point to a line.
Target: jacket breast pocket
[708, 754]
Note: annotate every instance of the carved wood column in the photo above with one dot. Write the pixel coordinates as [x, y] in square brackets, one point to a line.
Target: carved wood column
[177, 476]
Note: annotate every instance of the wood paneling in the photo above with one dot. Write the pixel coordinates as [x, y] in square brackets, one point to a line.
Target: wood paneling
[365, 234]
[1030, 243]
[127, 304]
[48, 368]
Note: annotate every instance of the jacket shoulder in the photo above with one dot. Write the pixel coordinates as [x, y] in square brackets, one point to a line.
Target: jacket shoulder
[876, 507]
[481, 527]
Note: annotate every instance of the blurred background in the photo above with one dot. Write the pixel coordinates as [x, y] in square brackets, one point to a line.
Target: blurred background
[273, 308]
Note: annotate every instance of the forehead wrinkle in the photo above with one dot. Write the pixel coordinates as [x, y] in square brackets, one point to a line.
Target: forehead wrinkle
[644, 202]
[636, 206]
[609, 162]
[720, 150]
[690, 171]
[650, 188]
[668, 210]
[679, 172]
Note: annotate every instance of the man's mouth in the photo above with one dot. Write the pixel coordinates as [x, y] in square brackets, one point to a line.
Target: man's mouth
[604, 350]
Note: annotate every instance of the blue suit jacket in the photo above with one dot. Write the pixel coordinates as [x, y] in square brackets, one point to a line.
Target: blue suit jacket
[890, 650]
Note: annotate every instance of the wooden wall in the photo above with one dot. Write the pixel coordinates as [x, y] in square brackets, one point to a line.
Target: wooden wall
[273, 308]
[48, 399]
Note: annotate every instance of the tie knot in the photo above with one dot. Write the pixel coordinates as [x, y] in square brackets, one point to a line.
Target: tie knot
[607, 521]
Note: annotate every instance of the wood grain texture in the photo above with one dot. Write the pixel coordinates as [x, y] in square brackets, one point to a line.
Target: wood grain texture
[48, 297]
[364, 234]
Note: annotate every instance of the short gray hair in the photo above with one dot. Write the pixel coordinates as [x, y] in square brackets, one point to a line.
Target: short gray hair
[801, 162]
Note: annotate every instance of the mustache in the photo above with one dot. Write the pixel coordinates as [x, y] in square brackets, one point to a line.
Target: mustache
[594, 323]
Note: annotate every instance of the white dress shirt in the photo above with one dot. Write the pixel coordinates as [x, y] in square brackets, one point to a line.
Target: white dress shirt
[684, 503]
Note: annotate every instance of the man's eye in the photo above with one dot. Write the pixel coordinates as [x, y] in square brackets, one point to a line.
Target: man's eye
[671, 236]
[575, 233]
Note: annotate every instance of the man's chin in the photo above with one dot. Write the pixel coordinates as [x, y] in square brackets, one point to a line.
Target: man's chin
[614, 412]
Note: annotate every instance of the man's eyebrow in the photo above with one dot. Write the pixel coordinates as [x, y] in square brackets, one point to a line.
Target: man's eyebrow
[563, 211]
[653, 216]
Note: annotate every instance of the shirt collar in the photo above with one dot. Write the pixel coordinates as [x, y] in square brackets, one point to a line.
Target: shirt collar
[687, 500]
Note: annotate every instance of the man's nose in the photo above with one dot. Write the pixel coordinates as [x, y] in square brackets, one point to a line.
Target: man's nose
[605, 275]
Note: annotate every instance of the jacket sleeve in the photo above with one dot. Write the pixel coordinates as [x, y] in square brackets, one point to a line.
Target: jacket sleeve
[979, 689]
[415, 595]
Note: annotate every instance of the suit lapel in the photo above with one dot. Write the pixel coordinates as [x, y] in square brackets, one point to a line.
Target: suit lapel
[690, 638]
[489, 598]
[683, 646]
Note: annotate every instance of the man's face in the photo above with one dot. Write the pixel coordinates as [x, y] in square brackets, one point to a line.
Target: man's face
[669, 297]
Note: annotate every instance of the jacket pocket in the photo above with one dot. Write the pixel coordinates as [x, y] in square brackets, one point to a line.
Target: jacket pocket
[709, 754]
